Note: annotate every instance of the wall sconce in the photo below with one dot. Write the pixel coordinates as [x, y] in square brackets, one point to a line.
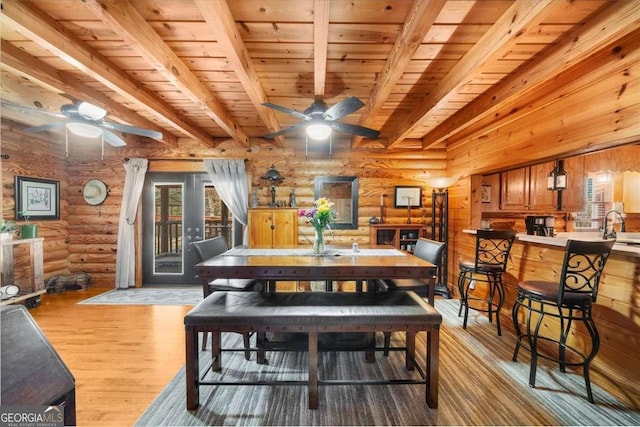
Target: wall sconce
[276, 178]
[557, 178]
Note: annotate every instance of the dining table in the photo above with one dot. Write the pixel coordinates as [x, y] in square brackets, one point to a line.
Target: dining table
[362, 264]
[299, 263]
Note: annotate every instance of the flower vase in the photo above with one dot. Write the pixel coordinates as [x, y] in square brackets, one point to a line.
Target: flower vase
[318, 242]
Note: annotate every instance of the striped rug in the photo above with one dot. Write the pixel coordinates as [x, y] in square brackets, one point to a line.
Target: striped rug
[479, 385]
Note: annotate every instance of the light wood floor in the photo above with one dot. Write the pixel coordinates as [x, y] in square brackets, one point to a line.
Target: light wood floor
[122, 357]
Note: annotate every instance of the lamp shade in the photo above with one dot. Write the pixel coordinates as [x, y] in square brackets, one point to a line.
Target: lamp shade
[273, 174]
[91, 112]
[83, 129]
[442, 182]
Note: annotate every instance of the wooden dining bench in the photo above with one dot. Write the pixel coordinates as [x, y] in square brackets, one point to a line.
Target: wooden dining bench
[313, 313]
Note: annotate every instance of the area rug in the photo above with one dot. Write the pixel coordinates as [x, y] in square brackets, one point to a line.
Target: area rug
[148, 296]
[479, 385]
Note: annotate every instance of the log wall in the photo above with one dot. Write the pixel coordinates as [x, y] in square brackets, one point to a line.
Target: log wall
[25, 155]
[88, 241]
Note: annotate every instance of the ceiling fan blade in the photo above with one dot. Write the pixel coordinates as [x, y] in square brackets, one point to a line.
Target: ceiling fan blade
[343, 108]
[18, 107]
[354, 129]
[286, 110]
[42, 128]
[285, 130]
[131, 129]
[113, 139]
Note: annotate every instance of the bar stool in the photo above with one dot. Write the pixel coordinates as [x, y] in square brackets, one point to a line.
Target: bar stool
[569, 299]
[492, 254]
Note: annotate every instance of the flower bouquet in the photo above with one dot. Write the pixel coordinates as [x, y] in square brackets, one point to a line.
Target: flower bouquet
[320, 216]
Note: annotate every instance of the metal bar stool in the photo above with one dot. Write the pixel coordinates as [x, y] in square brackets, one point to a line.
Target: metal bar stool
[569, 299]
[492, 254]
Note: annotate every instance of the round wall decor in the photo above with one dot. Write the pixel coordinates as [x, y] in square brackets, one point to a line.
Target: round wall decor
[95, 192]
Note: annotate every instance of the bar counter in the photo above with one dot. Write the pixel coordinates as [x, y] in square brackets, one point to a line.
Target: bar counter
[617, 309]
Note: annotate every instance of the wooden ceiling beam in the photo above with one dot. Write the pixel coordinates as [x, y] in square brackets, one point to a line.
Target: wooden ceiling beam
[65, 82]
[221, 23]
[616, 21]
[499, 39]
[320, 46]
[48, 33]
[125, 20]
[420, 19]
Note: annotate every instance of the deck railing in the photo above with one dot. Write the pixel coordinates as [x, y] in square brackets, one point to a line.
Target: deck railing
[169, 236]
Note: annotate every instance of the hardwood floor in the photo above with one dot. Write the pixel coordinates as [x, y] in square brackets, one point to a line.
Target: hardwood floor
[122, 357]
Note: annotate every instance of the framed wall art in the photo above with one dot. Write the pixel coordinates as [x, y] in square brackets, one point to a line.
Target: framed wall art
[407, 197]
[485, 195]
[37, 198]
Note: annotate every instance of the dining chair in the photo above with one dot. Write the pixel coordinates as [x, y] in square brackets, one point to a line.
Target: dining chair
[569, 299]
[430, 251]
[480, 283]
[209, 248]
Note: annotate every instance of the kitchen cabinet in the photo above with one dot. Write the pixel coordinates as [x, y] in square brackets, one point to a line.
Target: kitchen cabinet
[525, 189]
[573, 198]
[403, 237]
[273, 227]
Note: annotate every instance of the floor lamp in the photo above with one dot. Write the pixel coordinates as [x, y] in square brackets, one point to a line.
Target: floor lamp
[440, 229]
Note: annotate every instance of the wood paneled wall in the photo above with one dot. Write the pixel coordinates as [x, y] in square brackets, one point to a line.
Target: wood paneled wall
[598, 111]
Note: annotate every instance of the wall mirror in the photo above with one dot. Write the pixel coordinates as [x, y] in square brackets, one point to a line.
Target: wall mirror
[343, 192]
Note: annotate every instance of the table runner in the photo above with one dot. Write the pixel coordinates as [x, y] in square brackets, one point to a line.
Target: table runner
[307, 252]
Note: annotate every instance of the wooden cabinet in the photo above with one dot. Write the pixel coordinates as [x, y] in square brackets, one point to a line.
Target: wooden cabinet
[403, 237]
[273, 227]
[525, 189]
[25, 255]
[573, 198]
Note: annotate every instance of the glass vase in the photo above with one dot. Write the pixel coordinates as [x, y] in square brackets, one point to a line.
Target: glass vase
[318, 241]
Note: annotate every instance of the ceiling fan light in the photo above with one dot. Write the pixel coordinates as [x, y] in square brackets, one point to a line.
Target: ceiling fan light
[91, 112]
[318, 131]
[84, 130]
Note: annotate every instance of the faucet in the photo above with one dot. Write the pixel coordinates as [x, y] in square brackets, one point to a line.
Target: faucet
[612, 233]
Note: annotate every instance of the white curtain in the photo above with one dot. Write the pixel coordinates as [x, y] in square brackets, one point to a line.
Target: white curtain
[126, 253]
[230, 180]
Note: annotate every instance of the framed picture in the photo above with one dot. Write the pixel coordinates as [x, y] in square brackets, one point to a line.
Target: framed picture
[485, 195]
[408, 197]
[37, 198]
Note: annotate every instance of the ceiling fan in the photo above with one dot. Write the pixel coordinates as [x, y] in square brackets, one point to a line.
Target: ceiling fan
[87, 120]
[320, 120]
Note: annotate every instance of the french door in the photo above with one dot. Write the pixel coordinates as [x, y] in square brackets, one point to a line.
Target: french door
[177, 209]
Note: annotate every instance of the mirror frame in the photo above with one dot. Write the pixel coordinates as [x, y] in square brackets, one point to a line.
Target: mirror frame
[318, 191]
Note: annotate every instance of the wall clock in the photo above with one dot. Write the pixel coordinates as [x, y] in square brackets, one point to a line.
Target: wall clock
[95, 192]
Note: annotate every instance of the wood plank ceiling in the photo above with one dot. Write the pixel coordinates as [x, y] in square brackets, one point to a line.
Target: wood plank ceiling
[427, 70]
